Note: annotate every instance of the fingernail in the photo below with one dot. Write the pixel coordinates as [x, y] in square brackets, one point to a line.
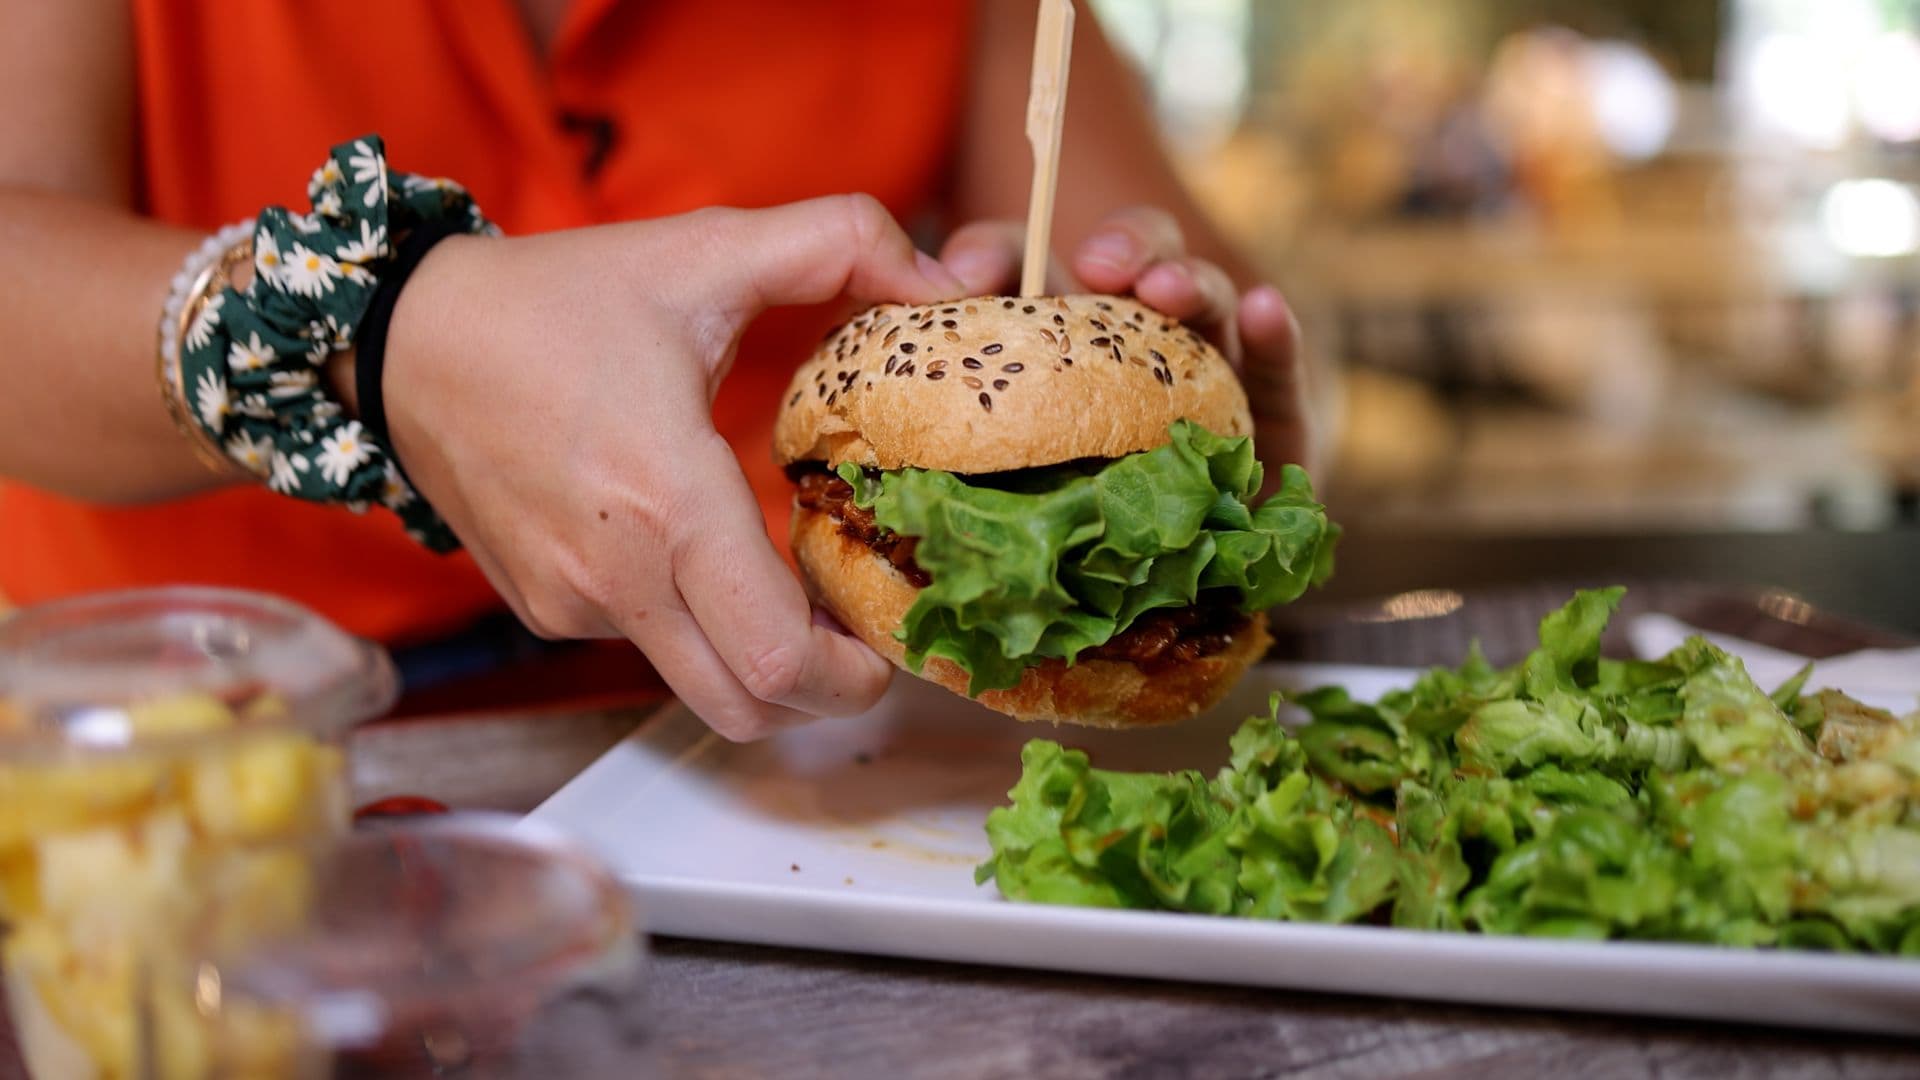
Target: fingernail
[1113, 248]
[978, 269]
[938, 275]
[1170, 275]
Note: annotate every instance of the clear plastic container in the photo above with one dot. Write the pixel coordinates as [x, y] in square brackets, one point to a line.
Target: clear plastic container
[470, 945]
[170, 764]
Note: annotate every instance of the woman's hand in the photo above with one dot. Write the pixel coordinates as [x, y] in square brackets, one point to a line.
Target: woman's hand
[552, 397]
[1140, 251]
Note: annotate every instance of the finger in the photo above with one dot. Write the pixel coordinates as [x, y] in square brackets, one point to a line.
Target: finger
[1275, 387]
[1125, 245]
[985, 256]
[752, 609]
[676, 647]
[813, 251]
[1197, 293]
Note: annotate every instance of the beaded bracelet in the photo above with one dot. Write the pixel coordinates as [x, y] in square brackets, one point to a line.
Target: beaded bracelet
[254, 374]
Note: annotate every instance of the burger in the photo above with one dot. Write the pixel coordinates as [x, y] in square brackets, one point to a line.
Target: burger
[1045, 504]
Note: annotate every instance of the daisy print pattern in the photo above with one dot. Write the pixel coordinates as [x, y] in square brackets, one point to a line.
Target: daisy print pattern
[266, 257]
[307, 272]
[211, 399]
[370, 169]
[205, 323]
[290, 384]
[253, 357]
[370, 245]
[343, 452]
[253, 452]
[395, 493]
[284, 476]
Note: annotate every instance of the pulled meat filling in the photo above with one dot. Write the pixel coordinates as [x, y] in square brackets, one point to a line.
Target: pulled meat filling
[825, 493]
[1159, 639]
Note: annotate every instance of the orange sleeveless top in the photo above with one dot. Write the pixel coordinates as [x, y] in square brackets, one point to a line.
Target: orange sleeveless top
[642, 108]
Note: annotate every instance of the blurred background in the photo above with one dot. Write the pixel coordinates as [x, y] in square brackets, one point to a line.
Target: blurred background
[1584, 266]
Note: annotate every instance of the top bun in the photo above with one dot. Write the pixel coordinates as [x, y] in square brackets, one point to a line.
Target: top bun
[994, 384]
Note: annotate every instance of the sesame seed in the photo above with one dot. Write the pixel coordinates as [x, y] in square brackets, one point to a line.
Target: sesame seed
[906, 368]
[1066, 344]
[1097, 324]
[794, 400]
[1058, 321]
[971, 310]
[1008, 304]
[972, 383]
[891, 334]
[936, 376]
[1103, 305]
[831, 396]
[1014, 368]
[891, 360]
[908, 347]
[999, 384]
[948, 310]
[936, 365]
[993, 349]
[1118, 340]
[1157, 358]
[986, 401]
[1029, 309]
[822, 388]
[952, 337]
[948, 323]
[1067, 360]
[1101, 342]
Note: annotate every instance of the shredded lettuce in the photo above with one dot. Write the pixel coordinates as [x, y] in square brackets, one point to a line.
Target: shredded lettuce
[1054, 562]
[1570, 796]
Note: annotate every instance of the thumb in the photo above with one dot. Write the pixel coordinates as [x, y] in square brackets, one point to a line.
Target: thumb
[813, 251]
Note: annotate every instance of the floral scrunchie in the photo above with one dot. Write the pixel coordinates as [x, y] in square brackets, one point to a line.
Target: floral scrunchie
[251, 361]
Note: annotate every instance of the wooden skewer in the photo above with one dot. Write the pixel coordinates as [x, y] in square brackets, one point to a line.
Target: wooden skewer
[1046, 113]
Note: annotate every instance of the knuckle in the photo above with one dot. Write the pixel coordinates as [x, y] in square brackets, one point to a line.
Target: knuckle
[551, 618]
[866, 219]
[772, 673]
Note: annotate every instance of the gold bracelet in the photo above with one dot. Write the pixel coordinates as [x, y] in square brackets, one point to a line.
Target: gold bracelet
[202, 277]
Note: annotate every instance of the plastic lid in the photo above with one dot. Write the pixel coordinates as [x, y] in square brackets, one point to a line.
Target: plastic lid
[72, 672]
[467, 927]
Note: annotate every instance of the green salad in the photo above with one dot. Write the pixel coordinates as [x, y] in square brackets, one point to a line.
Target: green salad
[1051, 562]
[1570, 795]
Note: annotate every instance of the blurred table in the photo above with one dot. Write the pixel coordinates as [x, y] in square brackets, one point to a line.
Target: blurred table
[741, 1011]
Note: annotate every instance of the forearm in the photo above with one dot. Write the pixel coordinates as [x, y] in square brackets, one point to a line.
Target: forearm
[80, 300]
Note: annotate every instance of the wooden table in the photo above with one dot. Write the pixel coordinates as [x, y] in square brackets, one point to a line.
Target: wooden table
[722, 1010]
[725, 1010]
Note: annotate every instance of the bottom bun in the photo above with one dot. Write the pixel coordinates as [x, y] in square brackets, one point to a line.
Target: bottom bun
[871, 599]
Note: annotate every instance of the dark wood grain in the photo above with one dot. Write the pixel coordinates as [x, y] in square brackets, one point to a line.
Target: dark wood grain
[735, 1011]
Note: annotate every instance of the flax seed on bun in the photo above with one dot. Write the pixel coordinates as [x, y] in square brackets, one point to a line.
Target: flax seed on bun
[997, 384]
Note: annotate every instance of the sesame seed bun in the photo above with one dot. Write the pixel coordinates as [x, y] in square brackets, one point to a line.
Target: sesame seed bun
[871, 598]
[994, 384]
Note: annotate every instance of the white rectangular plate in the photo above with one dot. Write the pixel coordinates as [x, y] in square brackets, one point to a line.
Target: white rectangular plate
[861, 835]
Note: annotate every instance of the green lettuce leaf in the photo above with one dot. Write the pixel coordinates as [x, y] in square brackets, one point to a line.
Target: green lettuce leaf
[1052, 563]
[1571, 795]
